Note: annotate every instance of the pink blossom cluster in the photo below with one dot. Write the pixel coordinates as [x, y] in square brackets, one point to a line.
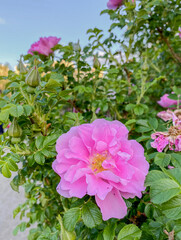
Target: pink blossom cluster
[172, 137]
[98, 159]
[44, 45]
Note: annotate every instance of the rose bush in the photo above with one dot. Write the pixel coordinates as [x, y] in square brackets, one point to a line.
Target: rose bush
[75, 113]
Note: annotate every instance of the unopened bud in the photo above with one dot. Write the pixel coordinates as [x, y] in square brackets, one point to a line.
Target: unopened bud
[76, 47]
[145, 66]
[33, 77]
[15, 130]
[21, 67]
[96, 63]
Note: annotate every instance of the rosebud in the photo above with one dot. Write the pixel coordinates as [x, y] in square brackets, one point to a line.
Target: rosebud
[15, 130]
[33, 77]
[145, 66]
[96, 63]
[21, 67]
[76, 47]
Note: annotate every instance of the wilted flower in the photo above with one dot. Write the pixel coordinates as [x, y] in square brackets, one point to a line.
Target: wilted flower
[168, 115]
[171, 139]
[166, 102]
[44, 46]
[98, 159]
[160, 140]
[113, 4]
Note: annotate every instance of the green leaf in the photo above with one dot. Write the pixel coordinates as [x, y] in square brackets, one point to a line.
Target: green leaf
[48, 153]
[153, 122]
[50, 140]
[70, 218]
[129, 107]
[27, 110]
[39, 142]
[52, 83]
[14, 187]
[176, 159]
[109, 232]
[16, 111]
[12, 165]
[65, 235]
[154, 176]
[4, 115]
[91, 215]
[129, 232]
[164, 190]
[162, 159]
[139, 110]
[39, 158]
[5, 171]
[172, 208]
[149, 210]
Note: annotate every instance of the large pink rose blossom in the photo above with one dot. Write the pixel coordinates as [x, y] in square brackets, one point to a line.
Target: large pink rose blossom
[113, 4]
[166, 102]
[98, 159]
[44, 46]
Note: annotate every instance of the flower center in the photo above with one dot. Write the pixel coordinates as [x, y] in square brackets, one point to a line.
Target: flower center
[174, 131]
[96, 162]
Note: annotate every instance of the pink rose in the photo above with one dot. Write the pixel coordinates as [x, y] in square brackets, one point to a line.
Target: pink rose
[166, 102]
[113, 4]
[98, 159]
[44, 46]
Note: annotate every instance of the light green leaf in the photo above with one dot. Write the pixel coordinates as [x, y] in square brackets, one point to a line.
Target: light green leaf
[164, 190]
[154, 176]
[162, 159]
[12, 165]
[16, 111]
[129, 232]
[172, 208]
[5, 171]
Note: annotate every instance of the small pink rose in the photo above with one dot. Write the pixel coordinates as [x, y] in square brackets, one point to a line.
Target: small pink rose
[44, 46]
[113, 4]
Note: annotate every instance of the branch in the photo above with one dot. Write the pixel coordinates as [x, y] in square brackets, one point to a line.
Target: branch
[173, 53]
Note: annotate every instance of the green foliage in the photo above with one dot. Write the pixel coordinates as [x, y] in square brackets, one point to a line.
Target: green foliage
[134, 71]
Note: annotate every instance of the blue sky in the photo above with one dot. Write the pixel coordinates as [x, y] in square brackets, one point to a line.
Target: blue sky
[22, 22]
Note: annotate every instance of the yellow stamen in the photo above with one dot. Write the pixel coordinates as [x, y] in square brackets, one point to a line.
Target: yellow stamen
[96, 162]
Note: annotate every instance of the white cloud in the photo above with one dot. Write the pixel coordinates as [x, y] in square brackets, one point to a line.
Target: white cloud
[2, 21]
